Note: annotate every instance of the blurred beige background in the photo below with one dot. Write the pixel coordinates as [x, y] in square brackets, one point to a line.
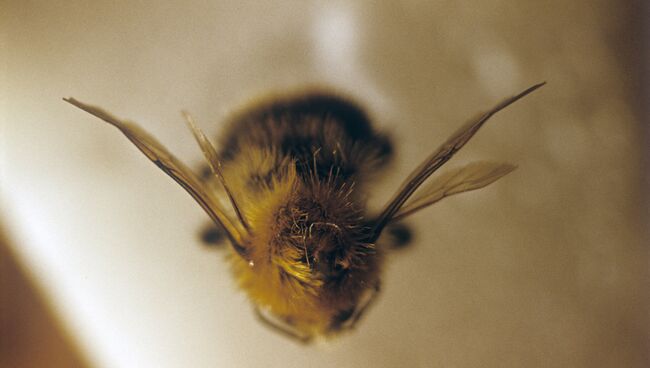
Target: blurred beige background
[546, 268]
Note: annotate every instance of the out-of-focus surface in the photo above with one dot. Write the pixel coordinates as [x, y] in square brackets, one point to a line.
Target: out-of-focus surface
[546, 267]
[30, 336]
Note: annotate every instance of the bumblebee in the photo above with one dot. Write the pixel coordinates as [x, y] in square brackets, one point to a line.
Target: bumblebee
[287, 189]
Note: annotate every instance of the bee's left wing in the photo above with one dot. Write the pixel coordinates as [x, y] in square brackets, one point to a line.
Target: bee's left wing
[214, 161]
[160, 156]
[473, 176]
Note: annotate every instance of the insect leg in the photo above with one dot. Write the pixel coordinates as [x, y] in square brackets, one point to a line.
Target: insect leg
[212, 235]
[282, 329]
[399, 235]
[348, 319]
[358, 313]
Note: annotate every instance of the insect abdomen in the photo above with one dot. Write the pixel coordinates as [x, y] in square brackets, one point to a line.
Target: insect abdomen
[314, 129]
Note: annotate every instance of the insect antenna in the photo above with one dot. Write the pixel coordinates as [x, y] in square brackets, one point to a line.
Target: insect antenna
[169, 164]
[215, 164]
[436, 160]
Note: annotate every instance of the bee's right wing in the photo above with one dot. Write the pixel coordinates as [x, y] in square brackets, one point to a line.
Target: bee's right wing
[473, 176]
[438, 158]
[160, 156]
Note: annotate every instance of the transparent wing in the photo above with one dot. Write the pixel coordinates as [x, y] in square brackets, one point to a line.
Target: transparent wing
[214, 161]
[436, 160]
[476, 175]
[160, 156]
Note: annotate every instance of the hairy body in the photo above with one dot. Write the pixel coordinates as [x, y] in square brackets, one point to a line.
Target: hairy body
[296, 166]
